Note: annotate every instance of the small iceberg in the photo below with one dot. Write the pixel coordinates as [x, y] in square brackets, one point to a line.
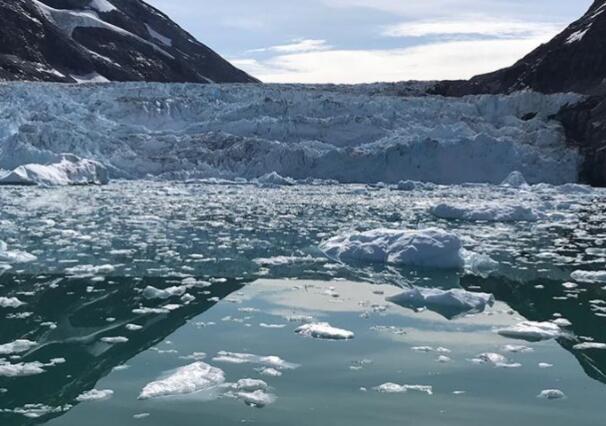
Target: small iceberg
[71, 170]
[14, 256]
[448, 303]
[515, 180]
[431, 248]
[532, 331]
[486, 213]
[273, 179]
[195, 377]
[395, 388]
[323, 330]
[17, 347]
[95, 395]
[552, 394]
[589, 277]
[270, 361]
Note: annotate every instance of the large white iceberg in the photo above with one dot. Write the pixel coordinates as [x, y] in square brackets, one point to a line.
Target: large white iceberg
[432, 248]
[532, 331]
[71, 170]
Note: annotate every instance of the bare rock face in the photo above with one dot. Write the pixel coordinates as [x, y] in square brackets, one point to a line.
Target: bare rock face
[102, 40]
[574, 61]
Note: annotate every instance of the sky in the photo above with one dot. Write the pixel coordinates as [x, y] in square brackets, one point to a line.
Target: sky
[363, 41]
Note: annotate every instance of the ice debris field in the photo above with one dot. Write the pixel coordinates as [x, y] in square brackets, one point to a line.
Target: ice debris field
[295, 255]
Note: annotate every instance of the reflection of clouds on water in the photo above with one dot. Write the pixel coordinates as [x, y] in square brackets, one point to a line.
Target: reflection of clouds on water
[85, 322]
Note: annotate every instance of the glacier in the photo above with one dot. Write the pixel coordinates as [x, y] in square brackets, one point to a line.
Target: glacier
[350, 134]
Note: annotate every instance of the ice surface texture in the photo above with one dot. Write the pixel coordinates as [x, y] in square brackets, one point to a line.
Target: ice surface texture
[359, 134]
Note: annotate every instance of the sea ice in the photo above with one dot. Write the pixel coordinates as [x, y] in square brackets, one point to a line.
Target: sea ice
[395, 388]
[192, 378]
[589, 276]
[95, 395]
[532, 331]
[552, 394]
[486, 213]
[17, 347]
[323, 330]
[243, 358]
[433, 248]
[448, 303]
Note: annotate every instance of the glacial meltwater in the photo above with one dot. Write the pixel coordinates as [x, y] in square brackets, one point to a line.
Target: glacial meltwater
[207, 302]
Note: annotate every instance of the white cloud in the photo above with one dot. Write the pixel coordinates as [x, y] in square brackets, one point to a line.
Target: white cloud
[443, 60]
[476, 26]
[299, 45]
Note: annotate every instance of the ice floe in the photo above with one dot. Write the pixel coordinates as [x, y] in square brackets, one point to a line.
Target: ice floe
[448, 303]
[589, 346]
[17, 347]
[151, 292]
[95, 395]
[486, 212]
[532, 331]
[14, 256]
[10, 302]
[193, 378]
[552, 394]
[496, 360]
[271, 361]
[590, 277]
[323, 330]
[396, 388]
[432, 248]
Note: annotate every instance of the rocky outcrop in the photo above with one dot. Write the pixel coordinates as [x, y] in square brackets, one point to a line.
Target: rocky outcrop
[574, 61]
[102, 40]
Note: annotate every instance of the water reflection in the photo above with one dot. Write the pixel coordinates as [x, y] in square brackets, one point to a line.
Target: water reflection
[544, 300]
[69, 317]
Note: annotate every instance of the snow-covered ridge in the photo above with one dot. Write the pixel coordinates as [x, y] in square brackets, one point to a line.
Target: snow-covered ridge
[349, 134]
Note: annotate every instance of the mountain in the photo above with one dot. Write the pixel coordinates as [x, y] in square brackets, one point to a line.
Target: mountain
[573, 61]
[101, 40]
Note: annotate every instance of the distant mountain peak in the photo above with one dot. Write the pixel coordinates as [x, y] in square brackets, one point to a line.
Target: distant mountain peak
[102, 40]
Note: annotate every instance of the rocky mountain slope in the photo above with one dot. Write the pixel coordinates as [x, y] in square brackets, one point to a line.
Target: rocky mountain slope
[574, 61]
[102, 40]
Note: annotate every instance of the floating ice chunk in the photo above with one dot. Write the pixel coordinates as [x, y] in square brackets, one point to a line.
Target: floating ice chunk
[155, 293]
[10, 302]
[17, 347]
[517, 349]
[486, 213]
[95, 395]
[273, 179]
[545, 365]
[551, 394]
[274, 326]
[574, 188]
[114, 340]
[448, 303]
[21, 369]
[395, 388]
[589, 346]
[589, 276]
[532, 331]
[495, 359]
[270, 372]
[323, 330]
[479, 264]
[434, 248]
[133, 327]
[258, 398]
[242, 358]
[14, 256]
[515, 180]
[249, 385]
[192, 378]
[71, 170]
[90, 270]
